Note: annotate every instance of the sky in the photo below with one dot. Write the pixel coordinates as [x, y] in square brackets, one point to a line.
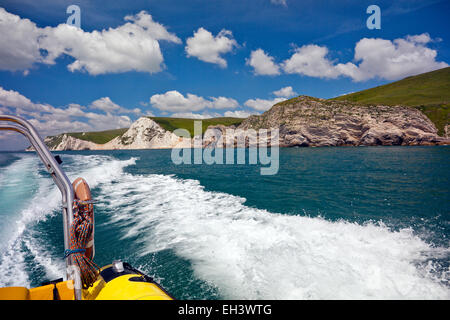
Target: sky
[201, 58]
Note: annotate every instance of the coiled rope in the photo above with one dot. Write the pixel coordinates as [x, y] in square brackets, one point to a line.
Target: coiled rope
[80, 232]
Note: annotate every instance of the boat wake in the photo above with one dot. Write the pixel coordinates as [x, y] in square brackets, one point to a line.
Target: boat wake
[244, 252]
[23, 252]
[249, 253]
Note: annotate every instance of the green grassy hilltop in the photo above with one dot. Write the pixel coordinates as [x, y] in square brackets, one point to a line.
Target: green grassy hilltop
[99, 137]
[429, 92]
[170, 124]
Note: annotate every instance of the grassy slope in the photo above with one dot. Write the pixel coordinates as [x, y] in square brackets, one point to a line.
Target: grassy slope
[99, 137]
[170, 124]
[429, 92]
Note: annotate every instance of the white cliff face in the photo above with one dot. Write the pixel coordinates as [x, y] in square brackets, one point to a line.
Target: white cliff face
[143, 134]
[147, 134]
[71, 143]
[66, 142]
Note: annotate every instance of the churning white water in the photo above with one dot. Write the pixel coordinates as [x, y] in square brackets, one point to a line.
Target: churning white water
[246, 253]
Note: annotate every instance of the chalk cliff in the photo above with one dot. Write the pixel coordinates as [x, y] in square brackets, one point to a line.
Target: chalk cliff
[302, 121]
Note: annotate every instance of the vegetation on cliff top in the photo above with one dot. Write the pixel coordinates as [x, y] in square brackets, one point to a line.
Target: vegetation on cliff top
[170, 124]
[99, 137]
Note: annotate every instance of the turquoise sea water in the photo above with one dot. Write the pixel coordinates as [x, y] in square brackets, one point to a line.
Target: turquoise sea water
[334, 223]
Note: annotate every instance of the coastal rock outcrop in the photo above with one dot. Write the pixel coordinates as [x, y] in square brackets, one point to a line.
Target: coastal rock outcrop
[301, 122]
[145, 133]
[307, 121]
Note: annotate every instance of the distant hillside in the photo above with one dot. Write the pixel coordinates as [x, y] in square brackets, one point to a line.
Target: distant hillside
[429, 92]
[170, 124]
[103, 137]
[99, 137]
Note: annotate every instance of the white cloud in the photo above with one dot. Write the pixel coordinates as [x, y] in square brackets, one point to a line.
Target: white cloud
[238, 114]
[378, 58]
[19, 48]
[205, 115]
[392, 60]
[11, 98]
[311, 60]
[204, 46]
[191, 115]
[50, 120]
[420, 38]
[156, 30]
[174, 101]
[262, 63]
[279, 2]
[262, 104]
[105, 104]
[285, 92]
[132, 46]
[223, 103]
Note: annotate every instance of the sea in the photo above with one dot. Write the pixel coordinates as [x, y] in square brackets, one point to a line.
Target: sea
[333, 223]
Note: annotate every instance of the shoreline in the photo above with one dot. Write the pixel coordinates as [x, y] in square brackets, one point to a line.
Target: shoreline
[281, 147]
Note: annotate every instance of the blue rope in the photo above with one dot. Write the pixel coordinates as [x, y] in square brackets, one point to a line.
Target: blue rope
[68, 252]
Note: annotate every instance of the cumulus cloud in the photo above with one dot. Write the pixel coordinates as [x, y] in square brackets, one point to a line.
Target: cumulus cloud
[279, 2]
[238, 114]
[262, 104]
[174, 101]
[311, 60]
[133, 46]
[11, 98]
[191, 115]
[105, 104]
[285, 92]
[206, 115]
[262, 63]
[50, 120]
[20, 48]
[204, 46]
[392, 60]
[375, 58]
[266, 104]
[223, 103]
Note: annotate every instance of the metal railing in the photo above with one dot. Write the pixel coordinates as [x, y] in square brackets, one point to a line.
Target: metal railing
[18, 124]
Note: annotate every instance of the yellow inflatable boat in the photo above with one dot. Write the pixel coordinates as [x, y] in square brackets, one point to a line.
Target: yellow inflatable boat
[118, 281]
[84, 280]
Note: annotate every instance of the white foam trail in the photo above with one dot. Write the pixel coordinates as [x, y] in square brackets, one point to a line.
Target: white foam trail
[42, 257]
[45, 203]
[254, 254]
[17, 182]
[247, 253]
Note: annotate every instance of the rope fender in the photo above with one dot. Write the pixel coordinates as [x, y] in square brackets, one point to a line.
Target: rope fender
[80, 232]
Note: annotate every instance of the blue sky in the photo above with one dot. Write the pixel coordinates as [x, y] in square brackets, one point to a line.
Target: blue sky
[202, 58]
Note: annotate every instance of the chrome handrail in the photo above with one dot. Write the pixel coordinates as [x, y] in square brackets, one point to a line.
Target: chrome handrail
[59, 177]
